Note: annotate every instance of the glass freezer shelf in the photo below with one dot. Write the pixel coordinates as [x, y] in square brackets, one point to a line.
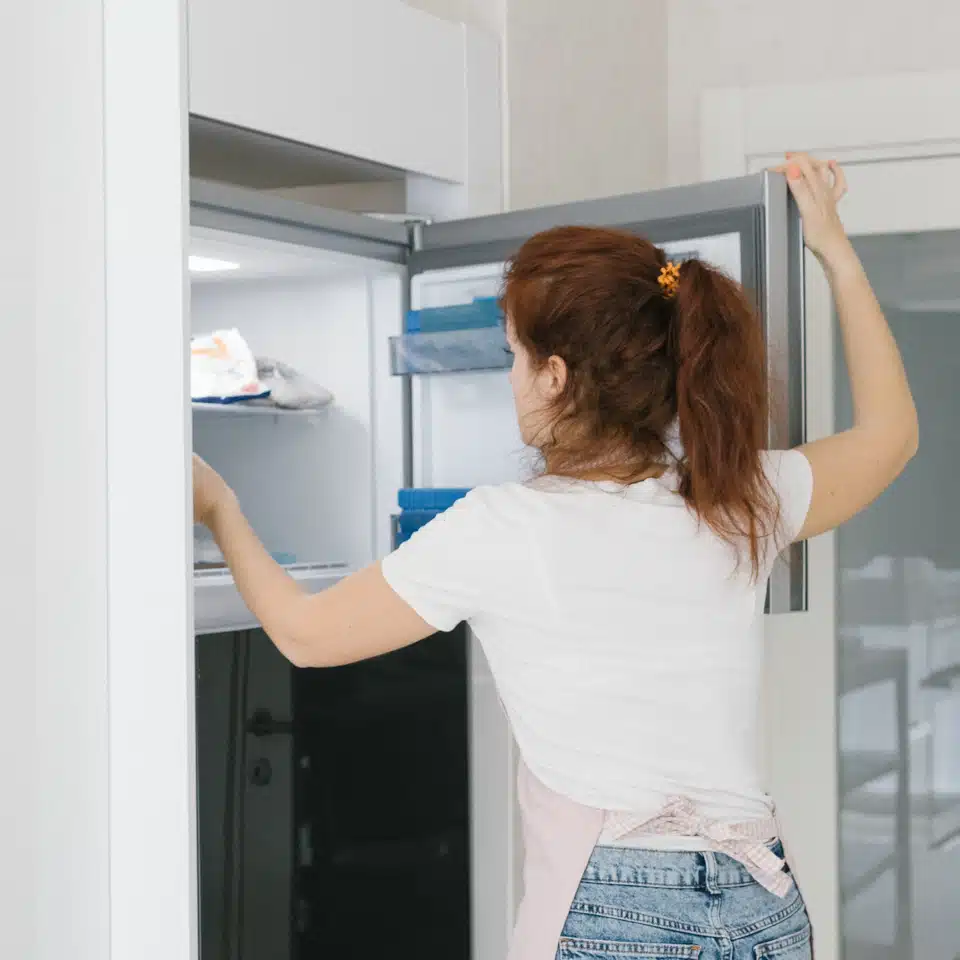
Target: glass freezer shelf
[217, 606]
[449, 351]
[241, 409]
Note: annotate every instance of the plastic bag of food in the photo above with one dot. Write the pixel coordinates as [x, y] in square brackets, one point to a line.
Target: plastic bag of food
[289, 388]
[223, 369]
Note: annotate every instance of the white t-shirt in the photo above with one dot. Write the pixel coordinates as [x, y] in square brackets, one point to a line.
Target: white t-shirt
[625, 642]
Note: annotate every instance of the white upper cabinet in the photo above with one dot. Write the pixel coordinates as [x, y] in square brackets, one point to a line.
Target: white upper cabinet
[372, 79]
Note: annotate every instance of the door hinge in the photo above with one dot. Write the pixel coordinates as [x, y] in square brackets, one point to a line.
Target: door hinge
[415, 227]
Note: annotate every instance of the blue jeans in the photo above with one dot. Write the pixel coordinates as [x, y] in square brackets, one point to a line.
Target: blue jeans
[655, 905]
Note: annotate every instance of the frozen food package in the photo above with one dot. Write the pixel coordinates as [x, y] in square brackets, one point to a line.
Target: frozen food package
[223, 369]
[289, 388]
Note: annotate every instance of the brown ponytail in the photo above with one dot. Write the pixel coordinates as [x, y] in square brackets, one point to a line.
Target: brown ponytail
[641, 355]
[721, 392]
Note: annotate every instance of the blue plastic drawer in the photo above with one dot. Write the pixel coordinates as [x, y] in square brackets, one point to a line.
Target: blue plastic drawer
[482, 312]
[419, 505]
[430, 498]
[409, 521]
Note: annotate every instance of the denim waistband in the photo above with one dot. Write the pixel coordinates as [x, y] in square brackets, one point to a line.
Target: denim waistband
[633, 866]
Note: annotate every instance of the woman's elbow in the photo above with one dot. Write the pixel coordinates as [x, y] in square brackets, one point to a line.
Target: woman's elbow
[298, 658]
[295, 634]
[311, 652]
[298, 653]
[912, 439]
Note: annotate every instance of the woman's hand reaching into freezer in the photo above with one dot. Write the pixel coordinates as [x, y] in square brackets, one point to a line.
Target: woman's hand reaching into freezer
[210, 492]
[358, 618]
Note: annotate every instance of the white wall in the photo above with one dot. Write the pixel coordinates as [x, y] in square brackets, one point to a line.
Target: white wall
[731, 43]
[17, 574]
[65, 707]
[491, 15]
[587, 98]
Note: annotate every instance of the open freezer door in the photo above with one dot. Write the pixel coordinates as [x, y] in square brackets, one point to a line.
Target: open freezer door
[462, 425]
[748, 227]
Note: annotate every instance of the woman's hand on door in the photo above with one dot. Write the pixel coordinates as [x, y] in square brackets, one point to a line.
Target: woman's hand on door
[817, 186]
[853, 467]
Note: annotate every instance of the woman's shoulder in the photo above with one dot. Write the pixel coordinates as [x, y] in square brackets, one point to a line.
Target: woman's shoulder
[498, 498]
[507, 507]
[785, 469]
[790, 475]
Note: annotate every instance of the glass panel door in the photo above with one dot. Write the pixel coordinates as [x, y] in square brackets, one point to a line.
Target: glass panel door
[898, 609]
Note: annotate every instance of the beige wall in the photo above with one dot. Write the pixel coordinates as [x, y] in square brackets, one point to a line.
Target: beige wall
[586, 105]
[730, 43]
[585, 93]
[604, 97]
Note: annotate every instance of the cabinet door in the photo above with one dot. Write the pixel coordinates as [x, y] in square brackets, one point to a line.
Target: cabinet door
[747, 226]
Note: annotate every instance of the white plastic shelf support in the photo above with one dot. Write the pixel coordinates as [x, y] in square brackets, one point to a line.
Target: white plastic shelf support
[236, 410]
[219, 608]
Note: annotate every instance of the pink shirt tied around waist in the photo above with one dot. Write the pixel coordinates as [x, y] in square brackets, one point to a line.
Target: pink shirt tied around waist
[560, 834]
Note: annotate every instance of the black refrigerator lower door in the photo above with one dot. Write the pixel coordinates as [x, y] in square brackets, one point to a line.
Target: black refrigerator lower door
[333, 812]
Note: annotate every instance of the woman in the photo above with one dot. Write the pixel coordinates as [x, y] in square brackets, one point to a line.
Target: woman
[619, 596]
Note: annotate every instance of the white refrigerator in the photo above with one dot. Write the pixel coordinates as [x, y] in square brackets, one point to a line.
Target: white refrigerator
[285, 856]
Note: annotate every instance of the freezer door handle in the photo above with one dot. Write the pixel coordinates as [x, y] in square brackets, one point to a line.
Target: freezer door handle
[262, 723]
[784, 313]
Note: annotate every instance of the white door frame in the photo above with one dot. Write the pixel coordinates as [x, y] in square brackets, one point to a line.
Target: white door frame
[103, 863]
[874, 125]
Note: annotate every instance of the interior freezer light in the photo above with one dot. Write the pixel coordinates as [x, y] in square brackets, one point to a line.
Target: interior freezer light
[209, 265]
